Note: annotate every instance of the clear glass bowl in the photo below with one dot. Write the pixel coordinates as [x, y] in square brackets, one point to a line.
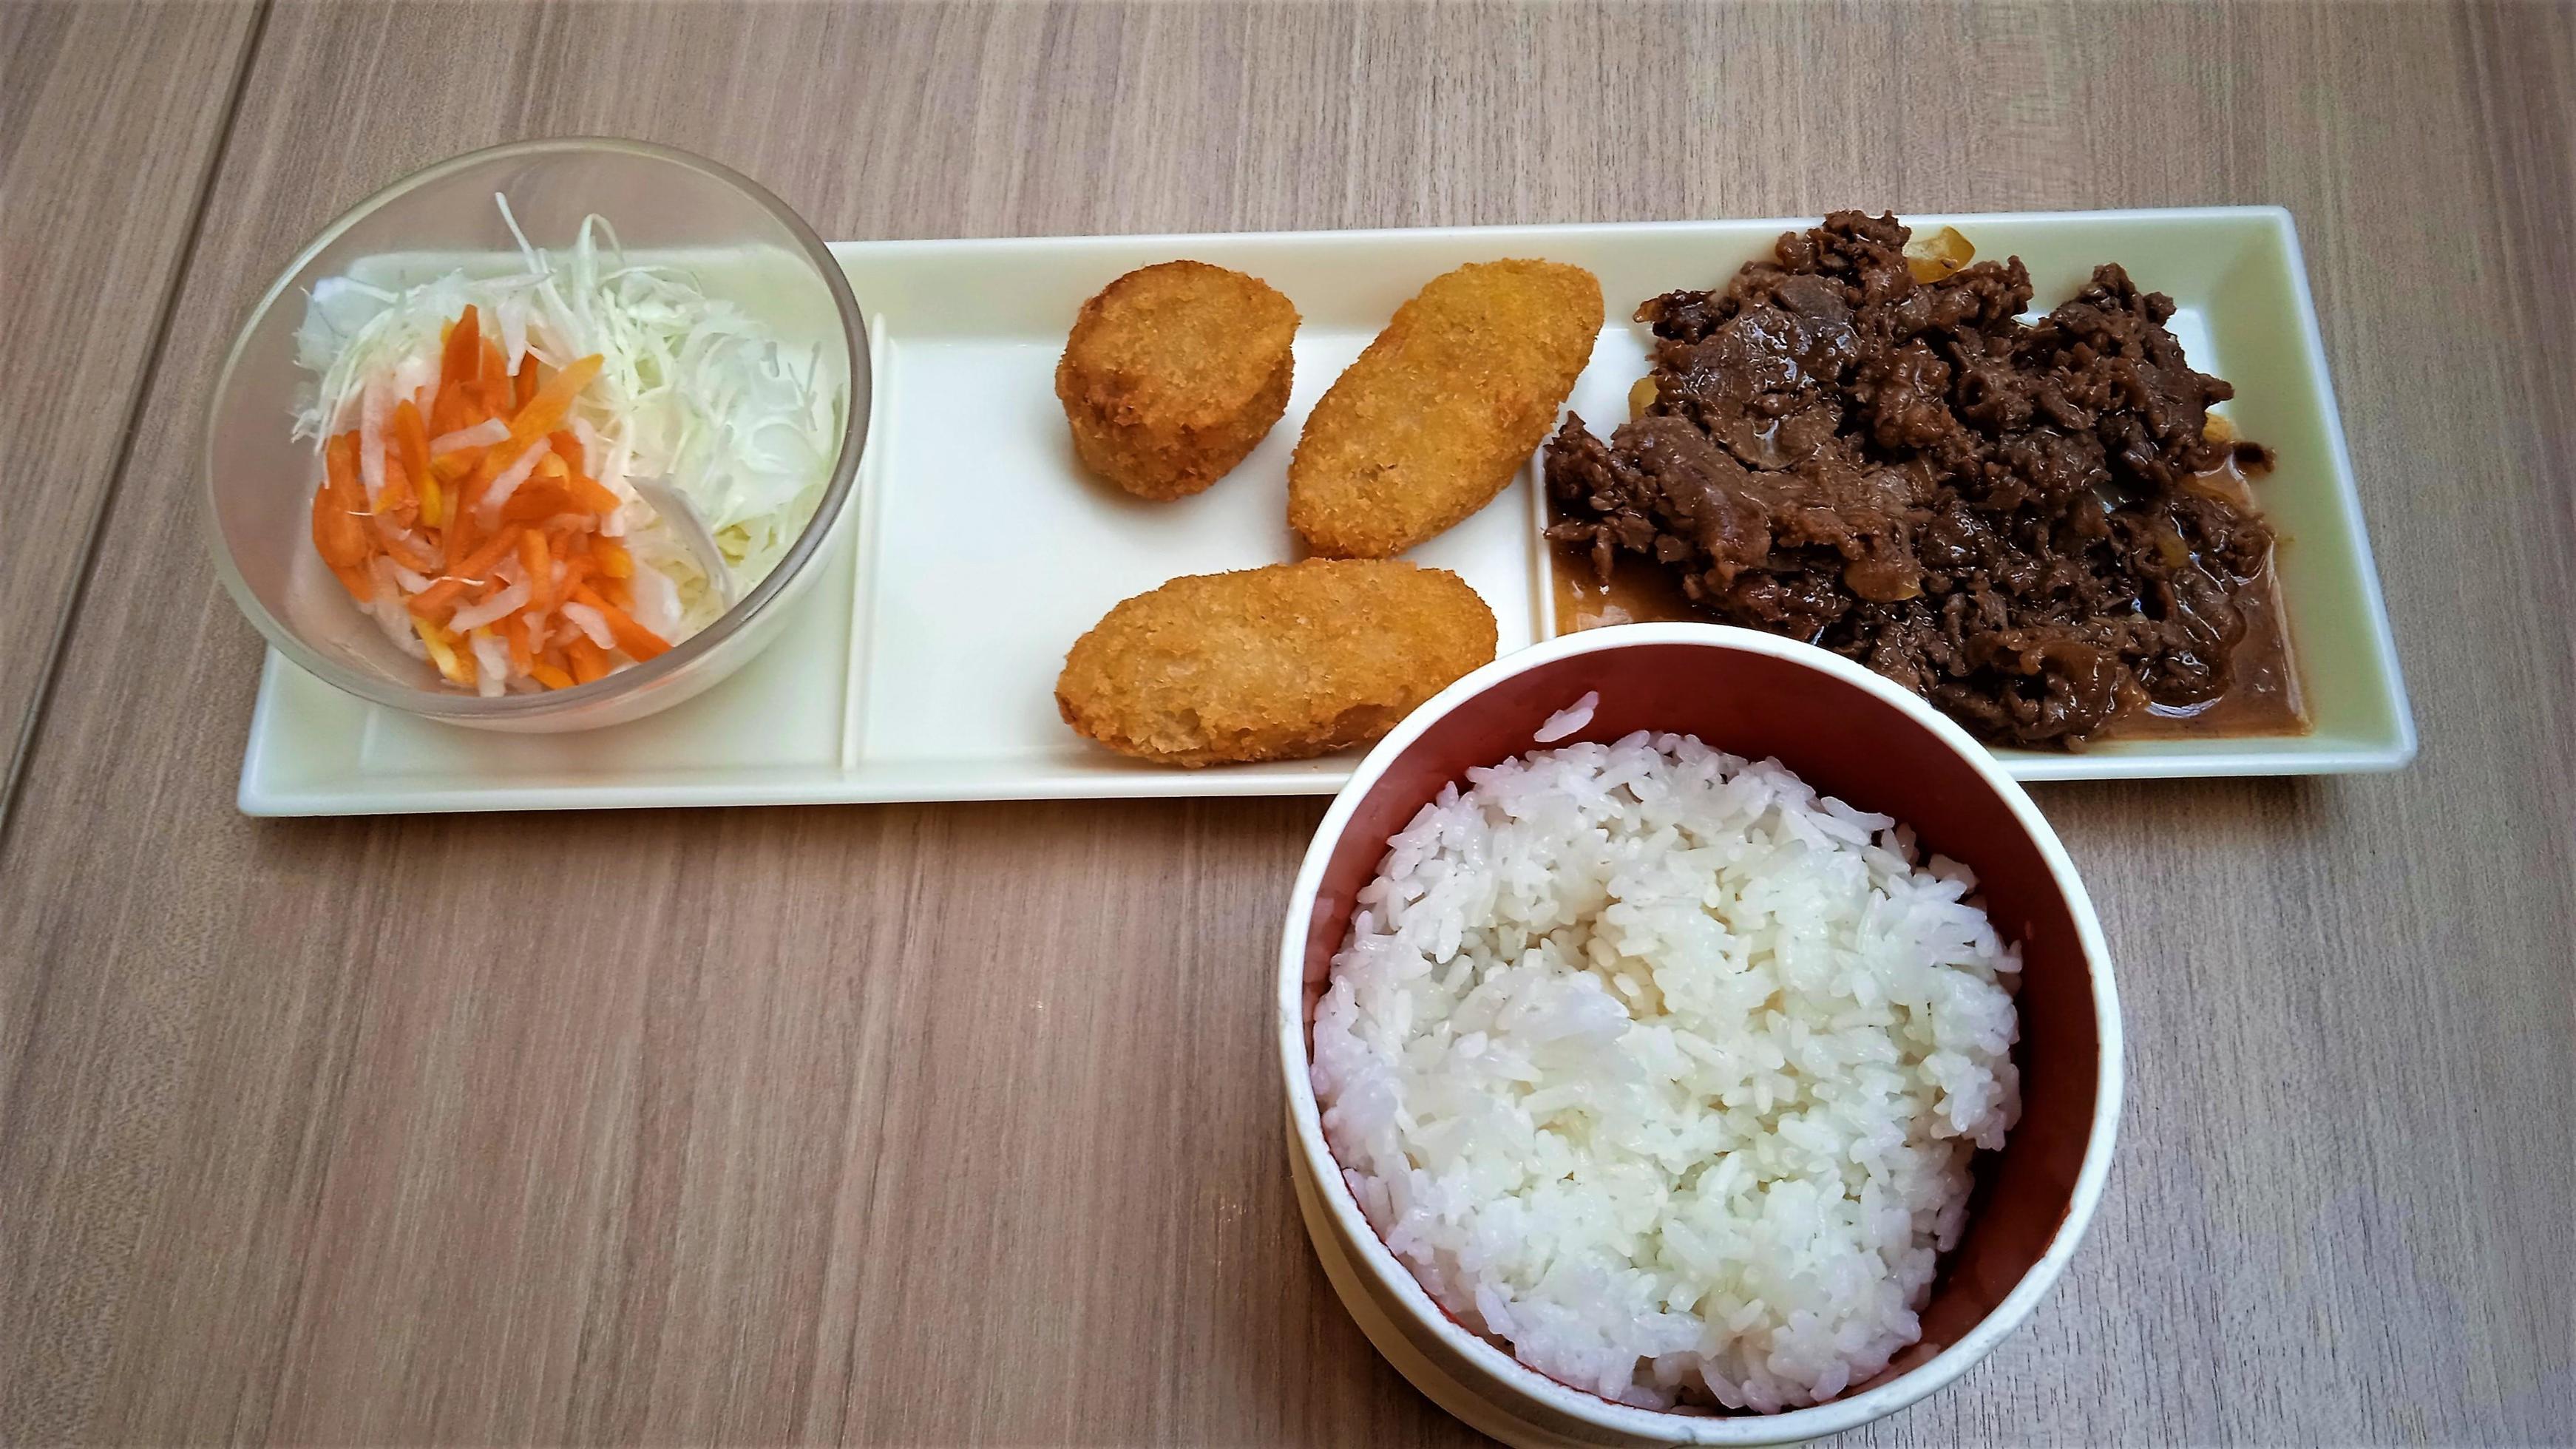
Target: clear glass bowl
[260, 479]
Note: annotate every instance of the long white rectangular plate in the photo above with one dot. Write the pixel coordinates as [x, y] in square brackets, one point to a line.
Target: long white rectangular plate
[924, 666]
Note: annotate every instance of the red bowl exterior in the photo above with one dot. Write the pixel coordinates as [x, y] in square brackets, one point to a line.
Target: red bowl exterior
[1848, 742]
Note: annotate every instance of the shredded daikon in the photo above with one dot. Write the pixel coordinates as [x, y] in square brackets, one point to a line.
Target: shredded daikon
[492, 610]
[591, 622]
[509, 481]
[692, 389]
[482, 435]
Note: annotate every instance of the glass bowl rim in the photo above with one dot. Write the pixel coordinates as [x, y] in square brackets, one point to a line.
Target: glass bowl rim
[857, 420]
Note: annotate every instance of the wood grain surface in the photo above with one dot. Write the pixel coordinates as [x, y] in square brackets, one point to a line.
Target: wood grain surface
[109, 118]
[957, 1124]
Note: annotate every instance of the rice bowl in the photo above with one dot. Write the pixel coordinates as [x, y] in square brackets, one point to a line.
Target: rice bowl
[1666, 1071]
[1851, 735]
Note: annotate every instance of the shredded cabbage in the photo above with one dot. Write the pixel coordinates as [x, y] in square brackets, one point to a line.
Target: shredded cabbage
[692, 389]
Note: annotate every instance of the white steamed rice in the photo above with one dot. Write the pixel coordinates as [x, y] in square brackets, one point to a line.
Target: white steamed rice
[1666, 1072]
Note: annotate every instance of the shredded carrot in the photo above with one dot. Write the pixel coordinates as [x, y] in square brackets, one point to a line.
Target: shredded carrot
[494, 389]
[433, 501]
[460, 364]
[424, 517]
[588, 663]
[397, 502]
[540, 567]
[535, 501]
[514, 632]
[458, 539]
[329, 540]
[497, 460]
[481, 560]
[440, 594]
[340, 472]
[461, 361]
[339, 505]
[458, 668]
[469, 571]
[545, 410]
[639, 642]
[594, 495]
[401, 549]
[411, 437]
[411, 440]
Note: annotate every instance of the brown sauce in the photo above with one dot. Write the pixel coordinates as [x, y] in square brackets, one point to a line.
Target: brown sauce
[2262, 696]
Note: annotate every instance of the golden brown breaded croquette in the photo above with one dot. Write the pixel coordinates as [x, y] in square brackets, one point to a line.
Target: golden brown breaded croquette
[1173, 373]
[1278, 663]
[1434, 418]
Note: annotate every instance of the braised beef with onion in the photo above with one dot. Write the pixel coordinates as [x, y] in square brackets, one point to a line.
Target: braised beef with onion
[2015, 521]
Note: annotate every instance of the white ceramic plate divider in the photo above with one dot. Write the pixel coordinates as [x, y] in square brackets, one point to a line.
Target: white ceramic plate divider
[924, 666]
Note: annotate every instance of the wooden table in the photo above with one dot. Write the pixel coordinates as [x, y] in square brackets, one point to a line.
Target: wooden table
[956, 1123]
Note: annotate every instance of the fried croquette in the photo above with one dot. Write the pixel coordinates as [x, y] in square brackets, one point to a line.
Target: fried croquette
[1435, 417]
[1173, 373]
[1278, 663]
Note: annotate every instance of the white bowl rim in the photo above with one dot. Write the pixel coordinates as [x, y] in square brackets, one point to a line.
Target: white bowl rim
[1833, 1416]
